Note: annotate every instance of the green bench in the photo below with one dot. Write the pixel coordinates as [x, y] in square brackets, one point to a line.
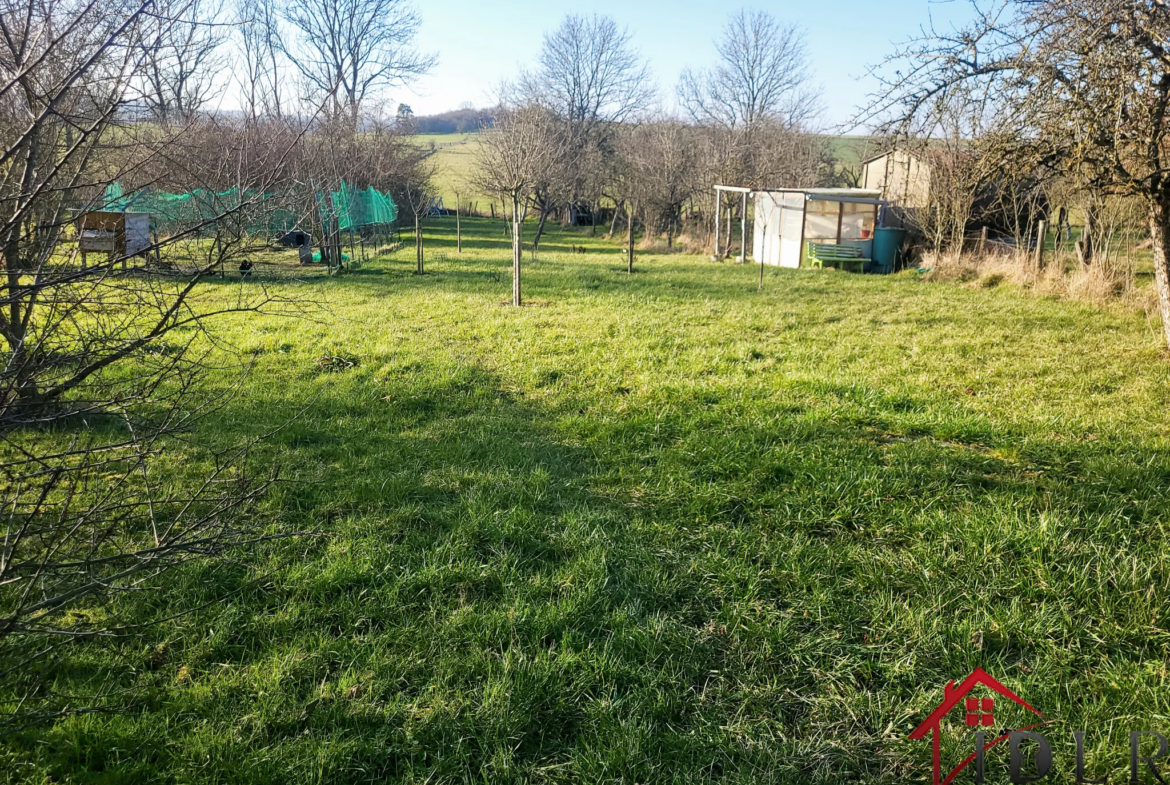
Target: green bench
[836, 255]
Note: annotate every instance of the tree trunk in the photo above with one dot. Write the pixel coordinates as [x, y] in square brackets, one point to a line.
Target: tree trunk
[418, 246]
[1085, 246]
[21, 363]
[617, 209]
[1160, 238]
[630, 243]
[516, 253]
[544, 213]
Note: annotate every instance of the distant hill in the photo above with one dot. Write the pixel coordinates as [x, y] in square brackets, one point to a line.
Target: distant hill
[852, 150]
[457, 121]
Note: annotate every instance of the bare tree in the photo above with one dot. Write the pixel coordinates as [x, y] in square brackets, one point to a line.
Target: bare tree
[588, 75]
[627, 185]
[762, 76]
[349, 50]
[416, 195]
[588, 78]
[261, 72]
[1087, 82]
[184, 59]
[91, 512]
[511, 160]
[756, 107]
[659, 160]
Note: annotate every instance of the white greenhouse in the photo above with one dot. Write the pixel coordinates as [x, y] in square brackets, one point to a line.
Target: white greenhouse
[788, 220]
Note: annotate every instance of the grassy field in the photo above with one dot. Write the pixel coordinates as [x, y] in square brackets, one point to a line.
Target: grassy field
[850, 151]
[454, 158]
[657, 528]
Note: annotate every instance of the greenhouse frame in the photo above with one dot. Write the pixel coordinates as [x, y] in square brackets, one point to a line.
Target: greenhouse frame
[788, 219]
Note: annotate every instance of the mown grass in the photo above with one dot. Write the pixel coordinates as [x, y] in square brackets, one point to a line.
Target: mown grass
[658, 528]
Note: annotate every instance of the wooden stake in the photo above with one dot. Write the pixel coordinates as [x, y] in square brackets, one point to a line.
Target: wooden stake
[630, 245]
[982, 242]
[458, 227]
[1041, 232]
[516, 253]
[418, 246]
[1129, 258]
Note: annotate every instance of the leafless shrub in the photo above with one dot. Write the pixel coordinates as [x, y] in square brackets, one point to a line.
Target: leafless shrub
[102, 359]
[1085, 83]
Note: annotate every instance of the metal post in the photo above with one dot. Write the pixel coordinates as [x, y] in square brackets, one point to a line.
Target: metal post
[743, 229]
[718, 217]
[727, 251]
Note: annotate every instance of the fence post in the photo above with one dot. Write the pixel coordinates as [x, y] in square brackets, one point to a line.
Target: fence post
[982, 242]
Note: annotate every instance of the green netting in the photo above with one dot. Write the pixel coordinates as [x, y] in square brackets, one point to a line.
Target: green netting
[350, 207]
[353, 208]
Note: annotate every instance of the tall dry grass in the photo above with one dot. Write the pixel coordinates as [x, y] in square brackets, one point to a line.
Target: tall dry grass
[1103, 284]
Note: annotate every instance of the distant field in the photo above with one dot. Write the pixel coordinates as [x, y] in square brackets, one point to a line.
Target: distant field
[852, 150]
[455, 158]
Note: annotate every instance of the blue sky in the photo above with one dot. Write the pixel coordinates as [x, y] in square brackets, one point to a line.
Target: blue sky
[479, 43]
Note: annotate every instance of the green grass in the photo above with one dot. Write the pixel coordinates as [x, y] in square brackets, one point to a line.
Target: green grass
[454, 158]
[852, 150]
[658, 528]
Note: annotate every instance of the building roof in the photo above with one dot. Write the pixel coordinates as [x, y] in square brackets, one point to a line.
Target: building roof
[826, 193]
[867, 196]
[880, 156]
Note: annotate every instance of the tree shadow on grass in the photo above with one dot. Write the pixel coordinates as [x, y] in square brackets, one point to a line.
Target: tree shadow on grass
[510, 587]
